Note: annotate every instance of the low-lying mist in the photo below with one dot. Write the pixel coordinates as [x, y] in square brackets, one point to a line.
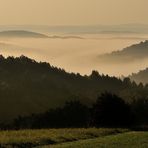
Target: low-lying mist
[76, 54]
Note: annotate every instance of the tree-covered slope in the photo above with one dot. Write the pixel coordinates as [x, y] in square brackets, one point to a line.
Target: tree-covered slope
[141, 76]
[27, 86]
[132, 53]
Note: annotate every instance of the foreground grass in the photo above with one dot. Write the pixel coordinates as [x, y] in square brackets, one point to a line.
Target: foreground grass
[40, 138]
[124, 140]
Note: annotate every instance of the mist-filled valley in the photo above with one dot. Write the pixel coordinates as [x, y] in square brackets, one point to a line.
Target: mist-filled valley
[73, 74]
[77, 52]
[43, 68]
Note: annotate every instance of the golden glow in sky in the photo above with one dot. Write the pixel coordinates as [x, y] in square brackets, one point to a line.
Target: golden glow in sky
[73, 12]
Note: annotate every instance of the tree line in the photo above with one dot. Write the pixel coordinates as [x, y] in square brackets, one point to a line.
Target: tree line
[109, 110]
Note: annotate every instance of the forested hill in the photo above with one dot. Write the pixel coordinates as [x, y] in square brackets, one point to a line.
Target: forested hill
[136, 52]
[27, 86]
[141, 76]
[21, 33]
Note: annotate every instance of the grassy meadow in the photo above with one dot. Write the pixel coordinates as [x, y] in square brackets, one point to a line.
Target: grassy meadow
[122, 140]
[74, 138]
[54, 137]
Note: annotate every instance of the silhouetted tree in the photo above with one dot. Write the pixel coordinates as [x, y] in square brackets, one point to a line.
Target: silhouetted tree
[110, 110]
[94, 75]
[75, 114]
[141, 85]
[127, 82]
[140, 111]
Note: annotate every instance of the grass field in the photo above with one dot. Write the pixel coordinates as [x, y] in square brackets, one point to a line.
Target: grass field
[124, 140]
[32, 138]
[74, 138]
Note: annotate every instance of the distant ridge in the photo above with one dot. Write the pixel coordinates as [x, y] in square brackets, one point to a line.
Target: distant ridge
[117, 32]
[30, 34]
[81, 29]
[21, 33]
[66, 37]
[129, 54]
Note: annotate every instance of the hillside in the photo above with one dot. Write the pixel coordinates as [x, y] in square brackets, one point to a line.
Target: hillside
[132, 53]
[21, 33]
[27, 86]
[141, 76]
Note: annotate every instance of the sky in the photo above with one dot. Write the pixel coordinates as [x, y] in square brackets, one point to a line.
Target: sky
[73, 12]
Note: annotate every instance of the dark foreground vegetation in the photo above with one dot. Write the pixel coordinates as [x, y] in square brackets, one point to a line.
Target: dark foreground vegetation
[38, 96]
[33, 95]
[29, 87]
[108, 111]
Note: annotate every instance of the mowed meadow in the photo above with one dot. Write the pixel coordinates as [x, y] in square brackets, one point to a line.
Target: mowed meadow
[43, 137]
[74, 138]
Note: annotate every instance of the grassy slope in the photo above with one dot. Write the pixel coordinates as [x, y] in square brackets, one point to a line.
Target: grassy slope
[31, 138]
[124, 140]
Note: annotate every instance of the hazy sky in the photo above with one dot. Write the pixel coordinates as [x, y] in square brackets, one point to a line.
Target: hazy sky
[73, 12]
